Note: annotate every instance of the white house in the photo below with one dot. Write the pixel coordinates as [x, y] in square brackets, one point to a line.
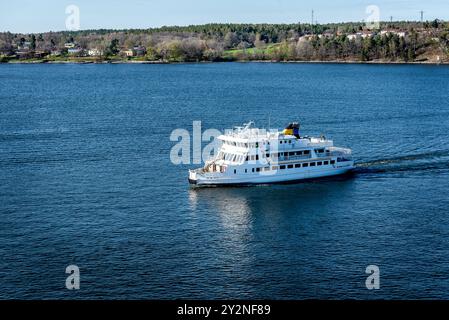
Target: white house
[400, 34]
[128, 52]
[55, 53]
[94, 52]
[326, 35]
[353, 36]
[74, 50]
[367, 35]
[24, 46]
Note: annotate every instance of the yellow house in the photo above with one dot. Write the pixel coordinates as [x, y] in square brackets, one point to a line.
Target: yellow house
[128, 53]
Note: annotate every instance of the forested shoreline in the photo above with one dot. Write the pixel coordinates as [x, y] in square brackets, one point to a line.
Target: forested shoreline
[391, 42]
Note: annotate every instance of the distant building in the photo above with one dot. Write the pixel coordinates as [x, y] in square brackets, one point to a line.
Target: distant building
[6, 52]
[136, 51]
[55, 53]
[400, 34]
[95, 52]
[326, 35]
[69, 45]
[75, 51]
[24, 54]
[127, 52]
[40, 53]
[139, 51]
[365, 35]
[353, 36]
[24, 45]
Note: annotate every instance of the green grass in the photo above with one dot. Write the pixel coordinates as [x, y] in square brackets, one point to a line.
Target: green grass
[267, 50]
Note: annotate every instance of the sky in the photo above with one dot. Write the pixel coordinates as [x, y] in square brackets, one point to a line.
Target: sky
[29, 16]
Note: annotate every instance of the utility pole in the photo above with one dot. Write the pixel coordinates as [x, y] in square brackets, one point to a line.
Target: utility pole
[422, 16]
[312, 22]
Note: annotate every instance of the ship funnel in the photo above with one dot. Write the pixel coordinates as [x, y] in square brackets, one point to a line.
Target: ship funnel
[292, 129]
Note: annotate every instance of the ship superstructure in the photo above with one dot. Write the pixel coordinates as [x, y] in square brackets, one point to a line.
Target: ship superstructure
[256, 156]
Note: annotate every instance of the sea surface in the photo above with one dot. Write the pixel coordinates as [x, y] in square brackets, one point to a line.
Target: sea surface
[86, 180]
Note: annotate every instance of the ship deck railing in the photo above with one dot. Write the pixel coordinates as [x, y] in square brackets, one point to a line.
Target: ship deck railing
[202, 172]
[339, 152]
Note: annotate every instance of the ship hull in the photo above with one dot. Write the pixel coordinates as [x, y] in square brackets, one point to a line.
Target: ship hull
[278, 178]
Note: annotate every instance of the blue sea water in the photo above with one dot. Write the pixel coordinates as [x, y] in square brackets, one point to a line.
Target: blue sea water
[86, 179]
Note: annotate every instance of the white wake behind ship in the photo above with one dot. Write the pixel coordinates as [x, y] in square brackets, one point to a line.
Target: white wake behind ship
[256, 156]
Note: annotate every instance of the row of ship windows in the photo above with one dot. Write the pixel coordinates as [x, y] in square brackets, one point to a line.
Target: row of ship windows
[238, 158]
[252, 145]
[285, 154]
[244, 144]
[291, 166]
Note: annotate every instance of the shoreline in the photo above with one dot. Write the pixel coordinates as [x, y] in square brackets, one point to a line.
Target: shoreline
[235, 61]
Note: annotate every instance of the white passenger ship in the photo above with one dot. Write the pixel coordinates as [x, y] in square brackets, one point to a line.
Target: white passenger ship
[257, 156]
